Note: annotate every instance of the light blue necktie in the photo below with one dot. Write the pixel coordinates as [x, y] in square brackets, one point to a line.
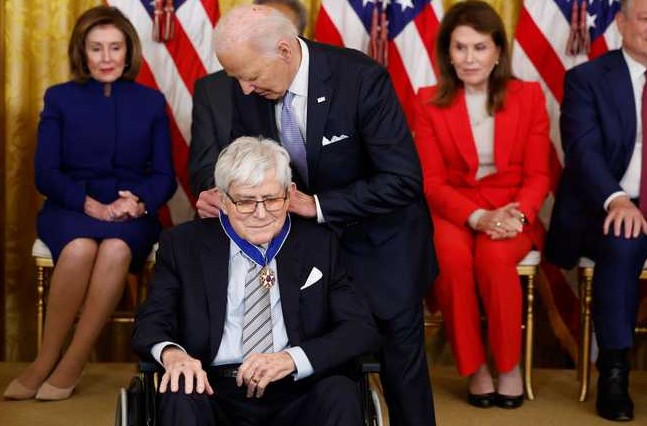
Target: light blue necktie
[292, 139]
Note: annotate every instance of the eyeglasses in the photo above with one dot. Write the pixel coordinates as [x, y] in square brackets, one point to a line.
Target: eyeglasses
[249, 206]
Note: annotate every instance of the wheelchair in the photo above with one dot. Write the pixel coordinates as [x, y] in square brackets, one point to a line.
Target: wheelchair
[136, 406]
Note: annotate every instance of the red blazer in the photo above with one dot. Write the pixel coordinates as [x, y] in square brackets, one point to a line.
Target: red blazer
[449, 160]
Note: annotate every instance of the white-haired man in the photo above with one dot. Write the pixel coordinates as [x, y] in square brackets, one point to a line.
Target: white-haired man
[252, 315]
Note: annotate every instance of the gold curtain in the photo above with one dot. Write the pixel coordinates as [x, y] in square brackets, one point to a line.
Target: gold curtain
[35, 40]
[32, 57]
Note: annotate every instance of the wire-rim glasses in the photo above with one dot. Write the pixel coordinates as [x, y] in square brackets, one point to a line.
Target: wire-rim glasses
[271, 204]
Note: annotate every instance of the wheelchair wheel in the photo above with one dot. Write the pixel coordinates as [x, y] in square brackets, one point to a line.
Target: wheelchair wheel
[121, 412]
[380, 415]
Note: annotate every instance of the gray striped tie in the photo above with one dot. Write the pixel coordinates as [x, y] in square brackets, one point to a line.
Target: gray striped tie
[292, 139]
[257, 321]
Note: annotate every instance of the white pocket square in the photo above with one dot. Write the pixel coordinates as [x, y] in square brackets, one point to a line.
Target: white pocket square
[315, 275]
[325, 141]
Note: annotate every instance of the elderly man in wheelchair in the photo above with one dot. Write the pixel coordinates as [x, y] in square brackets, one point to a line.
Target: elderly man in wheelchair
[251, 314]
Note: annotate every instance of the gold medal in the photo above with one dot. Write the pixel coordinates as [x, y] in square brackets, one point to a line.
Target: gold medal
[267, 277]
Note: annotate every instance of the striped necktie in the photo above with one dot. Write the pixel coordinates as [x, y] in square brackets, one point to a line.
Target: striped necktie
[292, 139]
[257, 321]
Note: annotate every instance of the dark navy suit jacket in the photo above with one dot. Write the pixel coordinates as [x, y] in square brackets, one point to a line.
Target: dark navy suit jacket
[187, 303]
[598, 127]
[364, 169]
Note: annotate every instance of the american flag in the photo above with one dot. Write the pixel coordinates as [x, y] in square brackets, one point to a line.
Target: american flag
[172, 67]
[542, 38]
[412, 28]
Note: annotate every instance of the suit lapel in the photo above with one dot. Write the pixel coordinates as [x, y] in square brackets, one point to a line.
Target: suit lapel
[505, 131]
[456, 117]
[215, 267]
[288, 266]
[319, 97]
[620, 88]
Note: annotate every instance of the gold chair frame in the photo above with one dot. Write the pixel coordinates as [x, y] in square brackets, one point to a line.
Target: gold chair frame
[526, 268]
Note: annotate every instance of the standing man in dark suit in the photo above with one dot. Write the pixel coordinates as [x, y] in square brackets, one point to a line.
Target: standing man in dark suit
[211, 123]
[253, 316]
[602, 197]
[356, 170]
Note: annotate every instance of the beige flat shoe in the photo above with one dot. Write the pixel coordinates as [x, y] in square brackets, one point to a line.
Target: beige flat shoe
[48, 392]
[18, 391]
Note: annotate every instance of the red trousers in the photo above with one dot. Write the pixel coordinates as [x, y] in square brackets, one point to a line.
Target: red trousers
[473, 265]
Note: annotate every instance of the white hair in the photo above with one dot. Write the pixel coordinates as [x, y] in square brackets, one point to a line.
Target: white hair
[263, 27]
[248, 160]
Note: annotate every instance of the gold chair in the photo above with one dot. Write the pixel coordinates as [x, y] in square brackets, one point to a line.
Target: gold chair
[136, 286]
[585, 273]
[526, 268]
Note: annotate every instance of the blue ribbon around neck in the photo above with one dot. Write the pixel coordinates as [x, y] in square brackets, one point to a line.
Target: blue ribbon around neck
[253, 251]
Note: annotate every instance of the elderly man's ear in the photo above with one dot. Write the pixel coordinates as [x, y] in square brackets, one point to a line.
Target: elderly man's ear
[292, 189]
[223, 201]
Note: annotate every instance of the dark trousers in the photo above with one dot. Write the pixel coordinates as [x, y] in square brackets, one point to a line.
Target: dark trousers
[404, 372]
[331, 401]
[618, 264]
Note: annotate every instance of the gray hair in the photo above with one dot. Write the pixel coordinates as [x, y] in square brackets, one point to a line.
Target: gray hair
[624, 6]
[297, 7]
[248, 160]
[261, 26]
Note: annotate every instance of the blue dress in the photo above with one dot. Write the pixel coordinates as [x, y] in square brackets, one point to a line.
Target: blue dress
[93, 145]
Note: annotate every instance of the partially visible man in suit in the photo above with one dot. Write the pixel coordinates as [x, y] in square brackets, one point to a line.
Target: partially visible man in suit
[253, 316]
[356, 169]
[602, 197]
[211, 123]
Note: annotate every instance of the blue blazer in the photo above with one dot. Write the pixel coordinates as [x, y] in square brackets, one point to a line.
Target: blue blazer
[598, 128]
[93, 145]
[368, 179]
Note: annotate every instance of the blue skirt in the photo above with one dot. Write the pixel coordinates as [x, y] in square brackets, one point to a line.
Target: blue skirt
[57, 226]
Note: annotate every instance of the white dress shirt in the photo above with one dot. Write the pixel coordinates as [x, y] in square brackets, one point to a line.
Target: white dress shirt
[231, 345]
[299, 105]
[630, 182]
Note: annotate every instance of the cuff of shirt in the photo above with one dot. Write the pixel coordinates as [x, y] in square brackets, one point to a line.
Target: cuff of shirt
[301, 361]
[158, 348]
[611, 198]
[474, 218]
[320, 217]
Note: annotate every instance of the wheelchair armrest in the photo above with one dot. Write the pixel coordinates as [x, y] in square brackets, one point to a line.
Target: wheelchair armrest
[150, 367]
[367, 363]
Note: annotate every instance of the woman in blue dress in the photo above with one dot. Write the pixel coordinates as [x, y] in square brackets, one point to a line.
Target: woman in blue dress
[103, 162]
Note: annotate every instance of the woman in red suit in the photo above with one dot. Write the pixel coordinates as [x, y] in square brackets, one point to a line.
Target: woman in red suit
[482, 137]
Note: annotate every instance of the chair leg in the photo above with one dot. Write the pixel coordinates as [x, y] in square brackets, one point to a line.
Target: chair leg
[584, 372]
[530, 329]
[40, 308]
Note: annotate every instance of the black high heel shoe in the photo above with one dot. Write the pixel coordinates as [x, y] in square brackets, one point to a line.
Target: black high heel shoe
[509, 402]
[484, 400]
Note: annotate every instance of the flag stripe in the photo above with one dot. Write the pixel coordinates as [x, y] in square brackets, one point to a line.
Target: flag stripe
[326, 31]
[188, 63]
[540, 53]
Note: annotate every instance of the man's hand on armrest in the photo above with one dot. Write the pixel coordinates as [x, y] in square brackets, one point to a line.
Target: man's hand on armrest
[209, 203]
[178, 363]
[259, 370]
[622, 212]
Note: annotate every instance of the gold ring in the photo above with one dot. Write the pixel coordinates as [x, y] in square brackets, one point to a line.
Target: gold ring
[254, 380]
